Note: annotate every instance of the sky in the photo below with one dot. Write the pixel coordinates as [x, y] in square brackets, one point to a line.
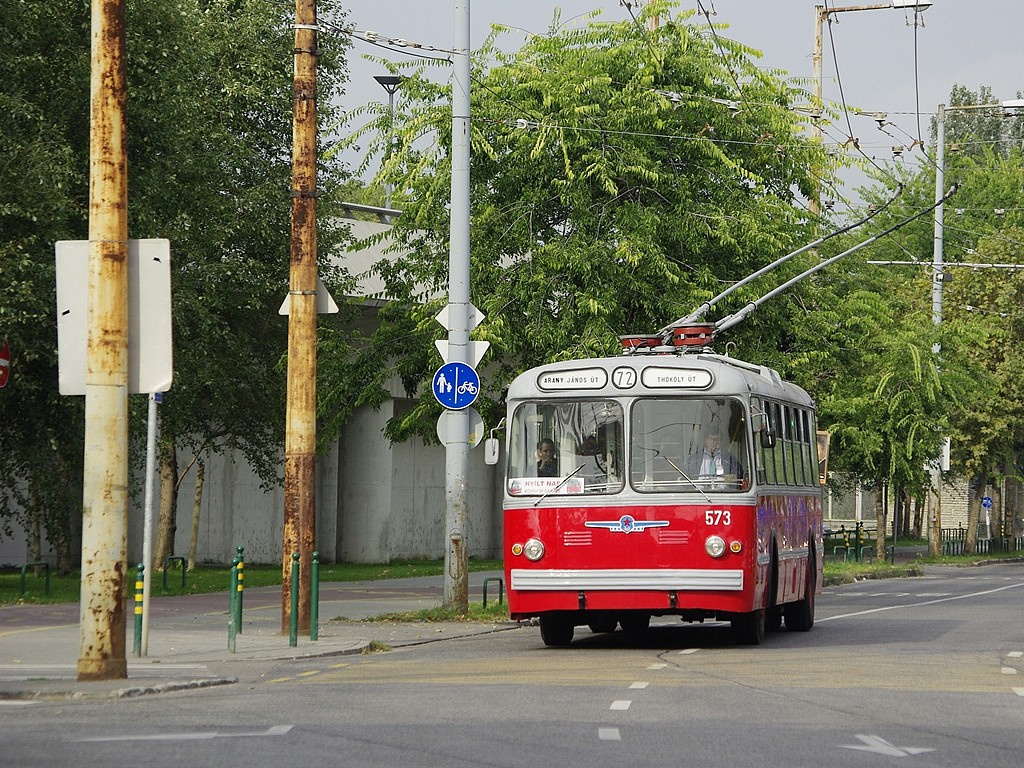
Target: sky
[885, 63]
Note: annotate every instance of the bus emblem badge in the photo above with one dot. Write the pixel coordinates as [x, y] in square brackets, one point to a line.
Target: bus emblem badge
[626, 524]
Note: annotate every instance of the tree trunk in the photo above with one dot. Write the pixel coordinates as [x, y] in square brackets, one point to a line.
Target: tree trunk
[167, 524]
[36, 537]
[918, 526]
[881, 503]
[974, 514]
[196, 507]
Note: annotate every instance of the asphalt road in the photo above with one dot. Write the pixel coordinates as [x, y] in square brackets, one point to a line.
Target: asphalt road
[924, 672]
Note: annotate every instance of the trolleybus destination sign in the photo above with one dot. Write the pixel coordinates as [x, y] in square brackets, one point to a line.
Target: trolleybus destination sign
[579, 378]
[676, 377]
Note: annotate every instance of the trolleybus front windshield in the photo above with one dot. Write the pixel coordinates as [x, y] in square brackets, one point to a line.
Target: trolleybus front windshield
[678, 444]
[566, 447]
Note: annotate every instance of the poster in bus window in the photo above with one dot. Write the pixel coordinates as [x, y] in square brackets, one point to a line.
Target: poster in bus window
[536, 486]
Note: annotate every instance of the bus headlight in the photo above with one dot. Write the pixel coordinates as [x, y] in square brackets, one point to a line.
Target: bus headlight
[714, 546]
[534, 550]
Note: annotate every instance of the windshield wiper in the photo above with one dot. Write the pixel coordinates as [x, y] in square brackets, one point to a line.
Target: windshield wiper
[686, 477]
[560, 484]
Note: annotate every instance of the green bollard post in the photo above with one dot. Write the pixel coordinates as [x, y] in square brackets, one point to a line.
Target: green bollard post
[231, 606]
[240, 559]
[293, 629]
[137, 645]
[314, 596]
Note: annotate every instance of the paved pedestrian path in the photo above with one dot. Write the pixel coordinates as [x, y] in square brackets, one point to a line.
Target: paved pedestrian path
[187, 639]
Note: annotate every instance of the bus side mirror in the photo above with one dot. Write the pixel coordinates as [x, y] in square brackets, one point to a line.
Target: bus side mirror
[767, 437]
[492, 449]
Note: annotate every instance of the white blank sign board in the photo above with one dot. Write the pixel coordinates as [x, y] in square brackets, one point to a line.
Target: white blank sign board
[150, 363]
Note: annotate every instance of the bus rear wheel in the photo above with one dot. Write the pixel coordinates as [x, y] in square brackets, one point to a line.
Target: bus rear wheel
[556, 629]
[800, 615]
[750, 628]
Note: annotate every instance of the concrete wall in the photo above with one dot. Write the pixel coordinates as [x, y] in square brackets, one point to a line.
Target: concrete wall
[375, 503]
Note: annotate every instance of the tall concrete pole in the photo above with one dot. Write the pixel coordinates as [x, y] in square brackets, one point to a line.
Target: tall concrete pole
[935, 519]
[456, 559]
[300, 419]
[105, 494]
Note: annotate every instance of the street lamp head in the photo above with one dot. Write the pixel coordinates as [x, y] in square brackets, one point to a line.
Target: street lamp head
[917, 5]
[389, 83]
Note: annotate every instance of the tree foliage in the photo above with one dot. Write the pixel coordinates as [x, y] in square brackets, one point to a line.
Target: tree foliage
[209, 111]
[619, 177]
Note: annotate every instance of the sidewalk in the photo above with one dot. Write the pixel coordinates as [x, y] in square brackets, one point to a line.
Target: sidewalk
[188, 637]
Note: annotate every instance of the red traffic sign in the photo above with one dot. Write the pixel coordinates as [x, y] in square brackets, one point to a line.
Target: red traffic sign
[5, 362]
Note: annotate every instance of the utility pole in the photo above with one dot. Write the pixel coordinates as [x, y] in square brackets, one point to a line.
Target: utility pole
[105, 492]
[821, 15]
[300, 417]
[456, 559]
[938, 277]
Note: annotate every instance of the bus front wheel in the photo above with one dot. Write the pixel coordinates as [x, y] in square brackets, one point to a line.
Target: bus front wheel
[555, 629]
[749, 628]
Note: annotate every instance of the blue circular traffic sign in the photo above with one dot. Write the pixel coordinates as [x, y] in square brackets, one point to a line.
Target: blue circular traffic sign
[456, 385]
[986, 502]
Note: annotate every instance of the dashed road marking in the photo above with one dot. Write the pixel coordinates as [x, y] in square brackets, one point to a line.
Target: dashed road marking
[688, 651]
[657, 666]
[1019, 691]
[1008, 671]
[639, 686]
[608, 734]
[621, 705]
[1015, 654]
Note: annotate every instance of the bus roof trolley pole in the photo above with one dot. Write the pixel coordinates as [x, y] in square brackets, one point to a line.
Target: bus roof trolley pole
[738, 317]
[705, 307]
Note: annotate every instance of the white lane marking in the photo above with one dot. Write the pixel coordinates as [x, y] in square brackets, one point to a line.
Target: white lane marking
[657, 666]
[1019, 691]
[1015, 654]
[639, 686]
[621, 705]
[608, 734]
[17, 703]
[882, 747]
[1008, 671]
[918, 605]
[687, 651]
[276, 730]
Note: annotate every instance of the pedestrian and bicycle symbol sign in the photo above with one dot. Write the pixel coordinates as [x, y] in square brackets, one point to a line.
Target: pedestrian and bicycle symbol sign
[456, 386]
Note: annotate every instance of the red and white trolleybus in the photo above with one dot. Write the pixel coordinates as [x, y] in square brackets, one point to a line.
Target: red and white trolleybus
[670, 481]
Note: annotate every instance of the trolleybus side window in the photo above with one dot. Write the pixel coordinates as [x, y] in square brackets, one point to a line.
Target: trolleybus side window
[791, 443]
[682, 444]
[776, 463]
[806, 446]
[759, 419]
[566, 447]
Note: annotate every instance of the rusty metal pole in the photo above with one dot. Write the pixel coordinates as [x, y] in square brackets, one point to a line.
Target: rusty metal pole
[300, 419]
[105, 495]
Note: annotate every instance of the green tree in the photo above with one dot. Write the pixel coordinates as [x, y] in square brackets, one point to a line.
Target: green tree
[209, 113]
[620, 176]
